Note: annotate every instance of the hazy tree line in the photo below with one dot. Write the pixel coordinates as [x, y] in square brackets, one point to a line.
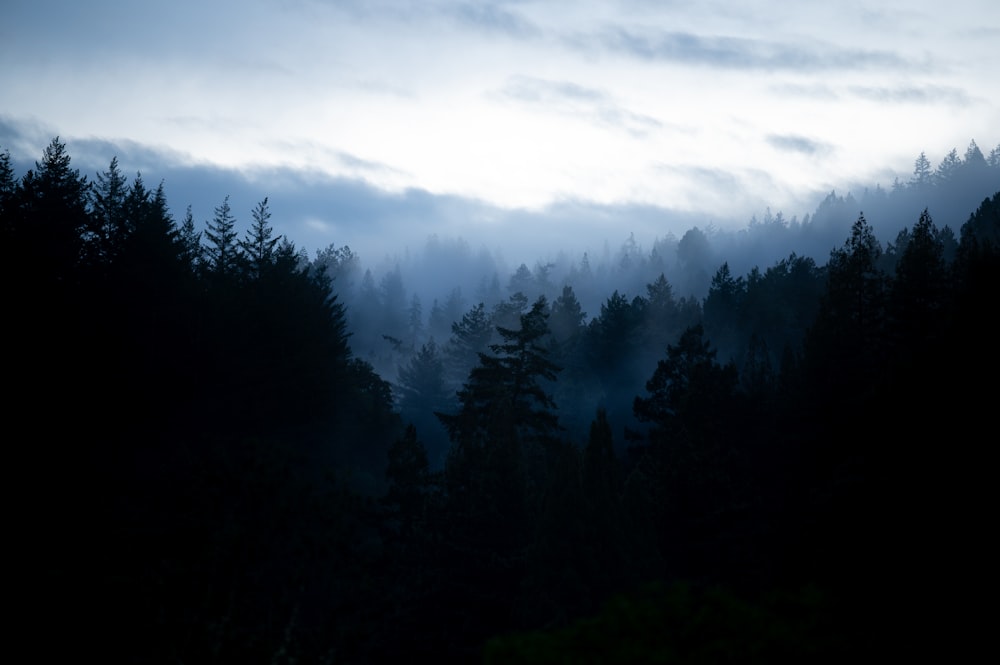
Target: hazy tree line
[412, 297]
[780, 469]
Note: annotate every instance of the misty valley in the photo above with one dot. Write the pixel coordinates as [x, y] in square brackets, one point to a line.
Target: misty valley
[763, 445]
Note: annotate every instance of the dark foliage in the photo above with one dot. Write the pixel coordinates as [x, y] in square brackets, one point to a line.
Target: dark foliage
[213, 475]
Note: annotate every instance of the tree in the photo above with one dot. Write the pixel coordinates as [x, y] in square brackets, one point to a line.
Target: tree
[724, 307]
[505, 393]
[55, 215]
[221, 253]
[566, 318]
[856, 289]
[259, 244]
[922, 175]
[846, 348]
[470, 337]
[107, 204]
[522, 281]
[693, 452]
[408, 474]
[948, 167]
[422, 392]
[190, 241]
[341, 264]
[689, 391]
[414, 321]
[918, 292]
[502, 437]
[600, 473]
[9, 189]
[693, 257]
[993, 160]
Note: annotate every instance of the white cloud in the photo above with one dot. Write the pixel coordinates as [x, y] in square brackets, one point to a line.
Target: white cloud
[520, 104]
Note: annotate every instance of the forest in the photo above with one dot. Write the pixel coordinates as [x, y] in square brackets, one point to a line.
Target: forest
[764, 446]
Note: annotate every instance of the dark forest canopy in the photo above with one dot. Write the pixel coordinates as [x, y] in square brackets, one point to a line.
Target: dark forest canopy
[249, 453]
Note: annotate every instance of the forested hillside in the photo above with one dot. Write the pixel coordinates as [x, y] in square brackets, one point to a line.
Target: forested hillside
[232, 451]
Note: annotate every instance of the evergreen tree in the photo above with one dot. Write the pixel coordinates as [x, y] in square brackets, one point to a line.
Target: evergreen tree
[505, 394]
[414, 322]
[851, 320]
[522, 281]
[919, 288]
[993, 160]
[422, 393]
[948, 168]
[688, 392]
[694, 455]
[470, 337]
[55, 215]
[922, 174]
[566, 318]
[502, 433]
[409, 477]
[9, 188]
[109, 226]
[222, 250]
[258, 246]
[190, 241]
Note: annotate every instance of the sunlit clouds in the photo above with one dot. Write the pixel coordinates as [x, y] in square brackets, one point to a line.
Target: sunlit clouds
[520, 104]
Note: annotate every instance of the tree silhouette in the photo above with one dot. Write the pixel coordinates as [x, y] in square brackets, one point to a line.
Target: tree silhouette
[422, 393]
[222, 250]
[848, 338]
[54, 208]
[109, 227]
[258, 247]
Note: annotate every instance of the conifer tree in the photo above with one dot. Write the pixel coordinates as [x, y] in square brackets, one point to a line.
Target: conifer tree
[190, 241]
[470, 337]
[107, 205]
[567, 316]
[506, 394]
[55, 214]
[922, 174]
[222, 250]
[258, 246]
[919, 288]
[8, 203]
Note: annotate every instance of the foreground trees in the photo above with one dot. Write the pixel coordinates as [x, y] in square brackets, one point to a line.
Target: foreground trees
[238, 486]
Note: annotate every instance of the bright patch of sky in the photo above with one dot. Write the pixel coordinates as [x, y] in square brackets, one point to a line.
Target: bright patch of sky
[720, 107]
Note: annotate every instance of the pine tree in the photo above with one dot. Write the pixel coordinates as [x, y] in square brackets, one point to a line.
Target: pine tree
[190, 241]
[502, 436]
[258, 246]
[470, 337]
[505, 394]
[221, 253]
[8, 203]
[948, 168]
[107, 204]
[919, 288]
[922, 175]
[55, 214]
[689, 391]
[566, 319]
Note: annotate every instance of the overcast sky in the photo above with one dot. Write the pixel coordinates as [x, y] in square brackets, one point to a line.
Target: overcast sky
[467, 110]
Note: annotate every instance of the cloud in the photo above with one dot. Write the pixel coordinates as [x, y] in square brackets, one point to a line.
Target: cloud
[492, 18]
[796, 143]
[569, 98]
[930, 94]
[816, 91]
[736, 52]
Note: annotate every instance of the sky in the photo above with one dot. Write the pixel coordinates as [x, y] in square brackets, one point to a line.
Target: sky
[380, 122]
